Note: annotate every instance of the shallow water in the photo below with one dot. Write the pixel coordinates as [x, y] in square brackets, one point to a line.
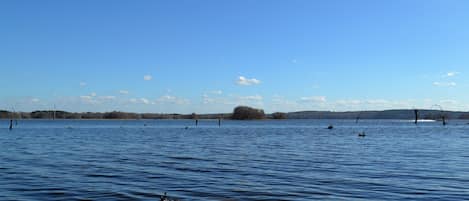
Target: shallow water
[241, 160]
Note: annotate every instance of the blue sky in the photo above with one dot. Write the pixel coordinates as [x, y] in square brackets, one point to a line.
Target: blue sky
[209, 56]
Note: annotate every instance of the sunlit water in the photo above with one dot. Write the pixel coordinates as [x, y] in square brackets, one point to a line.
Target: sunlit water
[241, 160]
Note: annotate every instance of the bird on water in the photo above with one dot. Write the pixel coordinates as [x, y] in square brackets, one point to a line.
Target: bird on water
[361, 134]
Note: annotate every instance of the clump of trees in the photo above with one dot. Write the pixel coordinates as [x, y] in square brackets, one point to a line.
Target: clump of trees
[120, 115]
[247, 113]
[279, 115]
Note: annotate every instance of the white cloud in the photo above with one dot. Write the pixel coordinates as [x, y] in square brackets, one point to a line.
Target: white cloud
[82, 84]
[315, 99]
[167, 98]
[141, 101]
[86, 97]
[107, 97]
[123, 92]
[35, 100]
[251, 98]
[147, 77]
[145, 101]
[444, 84]
[451, 74]
[173, 100]
[93, 94]
[88, 100]
[246, 81]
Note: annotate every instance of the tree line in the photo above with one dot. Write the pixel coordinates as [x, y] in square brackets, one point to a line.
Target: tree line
[239, 113]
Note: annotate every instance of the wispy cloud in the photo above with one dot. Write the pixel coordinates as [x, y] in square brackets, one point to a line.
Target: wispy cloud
[93, 94]
[88, 100]
[451, 74]
[123, 92]
[314, 99]
[145, 101]
[173, 100]
[217, 92]
[140, 101]
[83, 84]
[251, 98]
[147, 77]
[444, 84]
[107, 97]
[207, 99]
[280, 103]
[86, 97]
[247, 81]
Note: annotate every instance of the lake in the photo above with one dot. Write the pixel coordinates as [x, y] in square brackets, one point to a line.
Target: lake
[241, 160]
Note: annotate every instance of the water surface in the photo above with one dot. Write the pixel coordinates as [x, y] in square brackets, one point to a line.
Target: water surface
[241, 160]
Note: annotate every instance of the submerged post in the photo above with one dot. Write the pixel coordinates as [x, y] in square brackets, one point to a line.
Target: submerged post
[219, 121]
[196, 122]
[11, 124]
[444, 120]
[416, 112]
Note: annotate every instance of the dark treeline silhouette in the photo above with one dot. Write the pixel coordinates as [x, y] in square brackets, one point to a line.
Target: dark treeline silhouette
[279, 115]
[49, 114]
[240, 113]
[247, 113]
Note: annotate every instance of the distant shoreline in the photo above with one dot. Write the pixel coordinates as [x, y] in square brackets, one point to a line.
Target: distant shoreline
[398, 114]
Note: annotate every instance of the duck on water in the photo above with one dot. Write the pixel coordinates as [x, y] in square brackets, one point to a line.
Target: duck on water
[361, 134]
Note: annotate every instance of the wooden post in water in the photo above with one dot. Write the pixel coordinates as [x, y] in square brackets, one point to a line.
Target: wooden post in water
[11, 124]
[416, 112]
[53, 115]
[444, 120]
[194, 116]
[14, 115]
[219, 121]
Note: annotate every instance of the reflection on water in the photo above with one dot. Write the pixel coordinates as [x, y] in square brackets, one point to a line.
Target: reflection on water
[242, 160]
